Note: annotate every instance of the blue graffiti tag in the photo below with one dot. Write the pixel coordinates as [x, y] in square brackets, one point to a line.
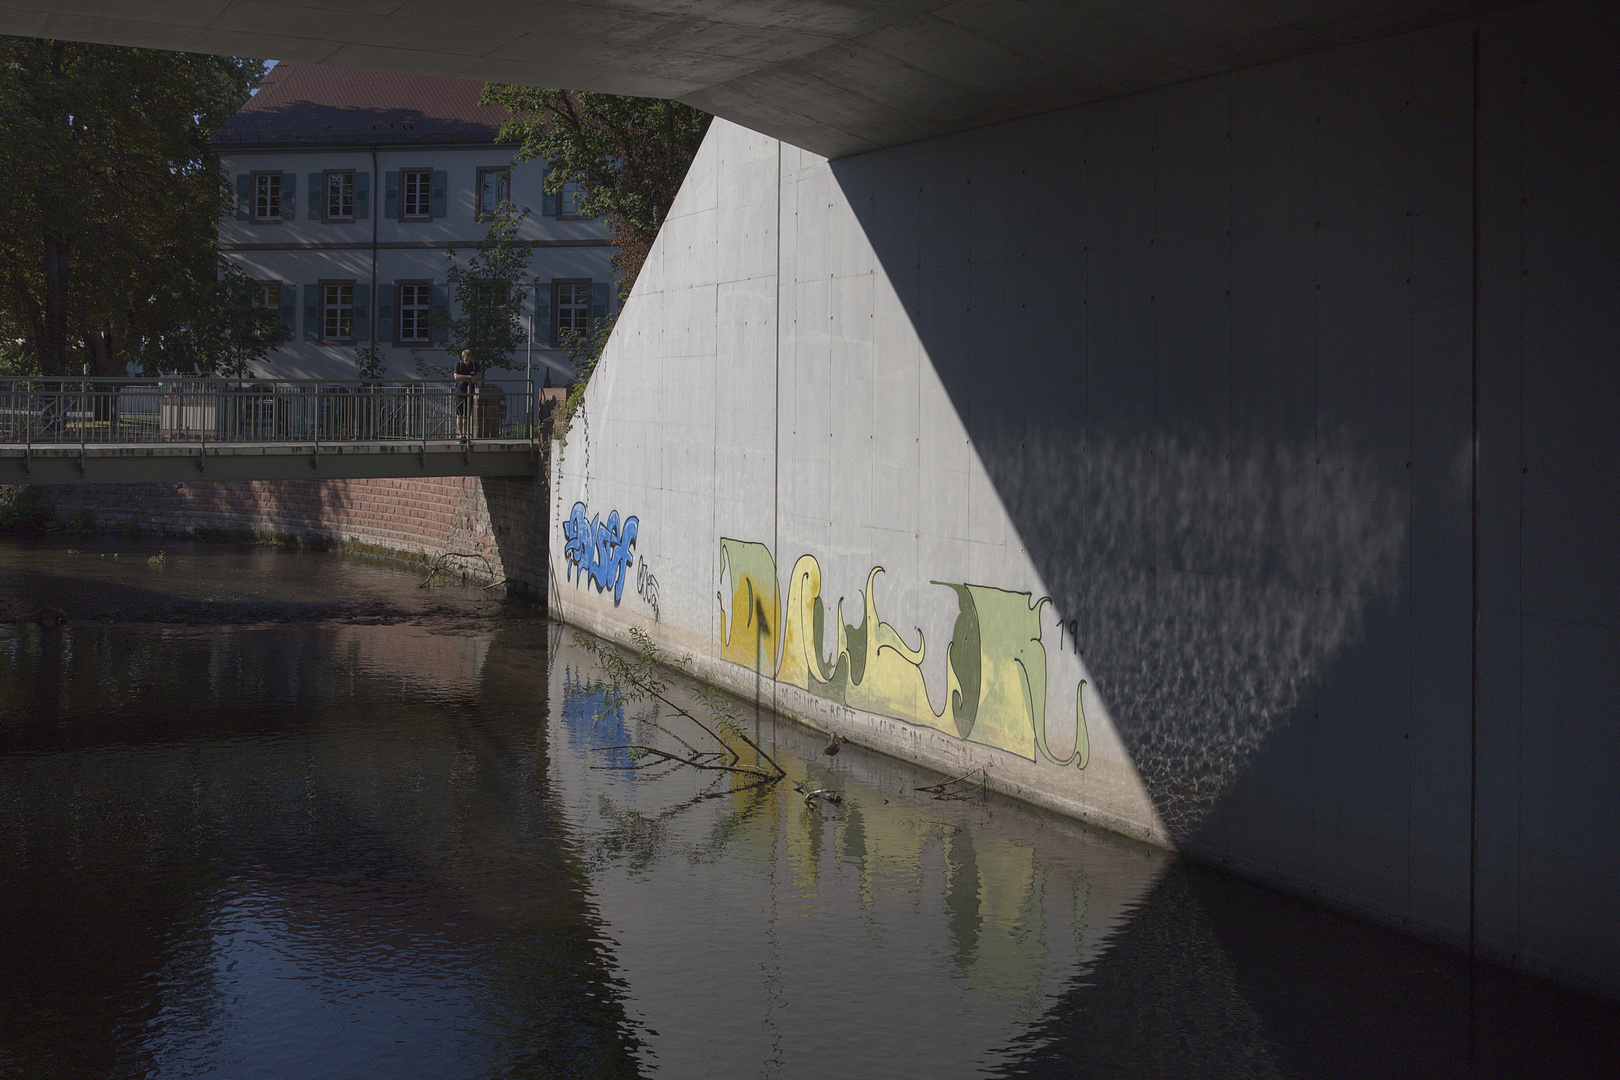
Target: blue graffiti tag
[604, 551]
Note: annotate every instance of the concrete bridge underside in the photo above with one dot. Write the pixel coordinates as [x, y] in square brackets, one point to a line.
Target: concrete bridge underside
[834, 77]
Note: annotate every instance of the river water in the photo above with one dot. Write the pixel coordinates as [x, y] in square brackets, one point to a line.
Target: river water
[279, 814]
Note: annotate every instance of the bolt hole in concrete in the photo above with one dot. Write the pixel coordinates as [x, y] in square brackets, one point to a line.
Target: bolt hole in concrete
[271, 814]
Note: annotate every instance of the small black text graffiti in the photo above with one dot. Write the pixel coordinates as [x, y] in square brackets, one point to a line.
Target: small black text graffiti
[647, 586]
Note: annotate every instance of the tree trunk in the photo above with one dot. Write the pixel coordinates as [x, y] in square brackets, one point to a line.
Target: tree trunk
[54, 218]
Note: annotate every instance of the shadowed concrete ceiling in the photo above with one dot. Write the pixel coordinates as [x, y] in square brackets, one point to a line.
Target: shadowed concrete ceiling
[835, 77]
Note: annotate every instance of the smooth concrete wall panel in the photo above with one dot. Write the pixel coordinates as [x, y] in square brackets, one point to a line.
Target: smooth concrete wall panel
[1439, 734]
[1568, 766]
[1192, 152]
[1164, 411]
[1570, 378]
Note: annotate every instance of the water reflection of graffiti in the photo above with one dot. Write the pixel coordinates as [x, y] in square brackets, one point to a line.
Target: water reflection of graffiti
[647, 586]
[594, 716]
[995, 691]
[598, 550]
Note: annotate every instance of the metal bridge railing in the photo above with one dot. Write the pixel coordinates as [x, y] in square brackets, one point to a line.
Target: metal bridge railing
[44, 411]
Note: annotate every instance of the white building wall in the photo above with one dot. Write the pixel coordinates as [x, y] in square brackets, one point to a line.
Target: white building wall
[1171, 402]
[301, 250]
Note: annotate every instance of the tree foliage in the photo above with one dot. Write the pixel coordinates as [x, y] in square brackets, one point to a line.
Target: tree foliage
[109, 207]
[629, 154]
[216, 329]
[488, 296]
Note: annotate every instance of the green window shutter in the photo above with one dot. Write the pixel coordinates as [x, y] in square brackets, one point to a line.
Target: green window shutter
[385, 312]
[441, 308]
[543, 332]
[362, 196]
[362, 312]
[441, 182]
[244, 196]
[315, 197]
[289, 307]
[599, 304]
[312, 312]
[289, 196]
[548, 201]
[391, 195]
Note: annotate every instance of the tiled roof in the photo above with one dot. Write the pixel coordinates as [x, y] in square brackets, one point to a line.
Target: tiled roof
[314, 104]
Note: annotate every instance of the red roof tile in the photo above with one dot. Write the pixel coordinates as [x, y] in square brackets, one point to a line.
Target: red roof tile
[316, 103]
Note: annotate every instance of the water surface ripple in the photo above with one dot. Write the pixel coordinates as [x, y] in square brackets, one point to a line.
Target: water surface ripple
[274, 814]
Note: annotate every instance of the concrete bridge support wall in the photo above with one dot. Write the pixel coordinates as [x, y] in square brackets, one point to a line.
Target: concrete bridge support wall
[1127, 454]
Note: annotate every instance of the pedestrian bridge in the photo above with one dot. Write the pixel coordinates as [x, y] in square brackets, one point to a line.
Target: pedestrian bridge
[121, 431]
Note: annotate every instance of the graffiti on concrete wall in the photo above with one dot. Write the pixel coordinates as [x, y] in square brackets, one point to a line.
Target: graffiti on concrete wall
[647, 586]
[599, 551]
[996, 680]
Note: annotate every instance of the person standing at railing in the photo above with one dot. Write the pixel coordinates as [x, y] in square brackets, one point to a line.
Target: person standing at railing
[468, 375]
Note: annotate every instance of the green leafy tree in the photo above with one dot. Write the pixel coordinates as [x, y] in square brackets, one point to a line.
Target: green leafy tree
[225, 330]
[109, 204]
[627, 154]
[488, 294]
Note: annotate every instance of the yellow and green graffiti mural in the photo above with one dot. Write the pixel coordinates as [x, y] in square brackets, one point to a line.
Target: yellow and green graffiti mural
[995, 691]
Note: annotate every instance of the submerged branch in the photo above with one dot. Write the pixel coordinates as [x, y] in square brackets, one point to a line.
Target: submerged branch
[944, 790]
[696, 761]
[642, 677]
[440, 567]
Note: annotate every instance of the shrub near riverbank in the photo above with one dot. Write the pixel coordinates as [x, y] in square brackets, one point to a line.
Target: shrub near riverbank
[24, 509]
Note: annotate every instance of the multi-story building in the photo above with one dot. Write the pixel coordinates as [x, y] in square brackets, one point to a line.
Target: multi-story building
[352, 186]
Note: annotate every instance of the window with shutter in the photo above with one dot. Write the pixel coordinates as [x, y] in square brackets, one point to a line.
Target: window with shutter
[271, 296]
[337, 311]
[414, 304]
[570, 201]
[570, 307]
[489, 297]
[267, 197]
[416, 195]
[494, 187]
[339, 188]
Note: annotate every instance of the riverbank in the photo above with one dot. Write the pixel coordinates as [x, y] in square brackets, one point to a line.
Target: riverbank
[489, 530]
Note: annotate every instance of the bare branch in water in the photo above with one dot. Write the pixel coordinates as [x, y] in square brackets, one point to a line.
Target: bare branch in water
[641, 675]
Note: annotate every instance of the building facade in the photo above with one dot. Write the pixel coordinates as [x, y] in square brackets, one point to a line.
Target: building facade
[352, 188]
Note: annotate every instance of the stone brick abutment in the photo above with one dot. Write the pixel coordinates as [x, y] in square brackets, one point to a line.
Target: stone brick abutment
[488, 528]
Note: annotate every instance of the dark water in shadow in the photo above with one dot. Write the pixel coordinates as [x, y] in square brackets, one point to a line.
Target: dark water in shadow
[269, 814]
